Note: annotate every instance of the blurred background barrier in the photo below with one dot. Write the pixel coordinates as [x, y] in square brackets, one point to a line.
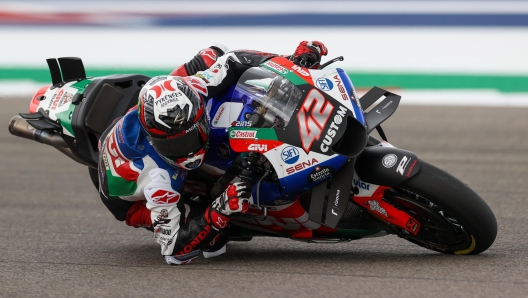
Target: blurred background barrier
[431, 52]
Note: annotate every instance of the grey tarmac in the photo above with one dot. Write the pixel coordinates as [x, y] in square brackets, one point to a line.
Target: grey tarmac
[58, 240]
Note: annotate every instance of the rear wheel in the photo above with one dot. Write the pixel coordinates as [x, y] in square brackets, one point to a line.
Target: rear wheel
[453, 218]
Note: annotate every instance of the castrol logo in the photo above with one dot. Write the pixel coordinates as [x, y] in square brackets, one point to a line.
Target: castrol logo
[243, 134]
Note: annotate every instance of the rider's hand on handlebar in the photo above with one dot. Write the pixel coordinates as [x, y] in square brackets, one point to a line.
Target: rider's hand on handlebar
[234, 199]
[308, 54]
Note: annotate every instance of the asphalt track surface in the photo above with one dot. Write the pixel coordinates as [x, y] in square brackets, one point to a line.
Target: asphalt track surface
[57, 239]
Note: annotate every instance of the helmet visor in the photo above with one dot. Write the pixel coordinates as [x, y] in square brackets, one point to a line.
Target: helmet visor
[184, 143]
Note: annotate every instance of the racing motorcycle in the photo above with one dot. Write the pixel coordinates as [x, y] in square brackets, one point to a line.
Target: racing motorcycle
[303, 137]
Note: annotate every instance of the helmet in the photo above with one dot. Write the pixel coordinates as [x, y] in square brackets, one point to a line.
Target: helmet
[173, 116]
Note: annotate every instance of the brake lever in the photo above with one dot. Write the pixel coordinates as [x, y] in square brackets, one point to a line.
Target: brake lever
[340, 58]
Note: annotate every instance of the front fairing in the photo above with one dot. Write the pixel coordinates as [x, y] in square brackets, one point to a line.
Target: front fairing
[304, 121]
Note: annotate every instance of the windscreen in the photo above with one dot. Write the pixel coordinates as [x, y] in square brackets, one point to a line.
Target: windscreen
[271, 95]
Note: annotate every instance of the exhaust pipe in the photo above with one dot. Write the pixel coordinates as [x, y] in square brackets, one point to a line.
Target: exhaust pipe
[19, 127]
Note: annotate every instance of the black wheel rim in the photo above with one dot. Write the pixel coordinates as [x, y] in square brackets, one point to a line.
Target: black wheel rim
[438, 230]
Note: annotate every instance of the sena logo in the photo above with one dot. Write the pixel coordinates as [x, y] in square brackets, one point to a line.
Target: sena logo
[341, 88]
[258, 147]
[312, 118]
[301, 166]
[165, 197]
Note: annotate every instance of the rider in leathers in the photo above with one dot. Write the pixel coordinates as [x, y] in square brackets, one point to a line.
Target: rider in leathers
[146, 155]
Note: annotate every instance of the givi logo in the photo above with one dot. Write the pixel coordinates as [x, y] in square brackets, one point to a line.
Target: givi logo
[165, 197]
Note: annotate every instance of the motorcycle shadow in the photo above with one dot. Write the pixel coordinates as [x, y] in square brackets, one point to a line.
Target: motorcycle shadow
[349, 253]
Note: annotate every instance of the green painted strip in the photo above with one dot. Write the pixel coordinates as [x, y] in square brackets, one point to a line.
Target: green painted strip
[502, 83]
[441, 81]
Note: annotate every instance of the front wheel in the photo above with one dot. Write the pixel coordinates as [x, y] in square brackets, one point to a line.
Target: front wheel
[453, 218]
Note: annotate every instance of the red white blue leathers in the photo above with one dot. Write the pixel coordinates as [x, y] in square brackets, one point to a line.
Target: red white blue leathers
[139, 187]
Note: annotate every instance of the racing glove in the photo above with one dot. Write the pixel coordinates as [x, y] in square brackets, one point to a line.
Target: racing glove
[234, 199]
[202, 61]
[308, 54]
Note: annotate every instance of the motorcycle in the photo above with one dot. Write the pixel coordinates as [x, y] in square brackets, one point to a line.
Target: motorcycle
[303, 137]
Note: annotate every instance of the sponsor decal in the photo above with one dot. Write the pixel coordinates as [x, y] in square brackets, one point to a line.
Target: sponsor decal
[223, 151]
[301, 166]
[290, 155]
[165, 197]
[412, 225]
[320, 173]
[339, 85]
[375, 206]
[386, 105]
[165, 96]
[154, 80]
[218, 115]
[120, 137]
[389, 160]
[259, 53]
[201, 236]
[402, 165]
[301, 70]
[336, 203]
[183, 132]
[162, 219]
[206, 75]
[333, 129]
[194, 164]
[324, 84]
[197, 84]
[411, 168]
[170, 98]
[243, 134]
[162, 231]
[277, 67]
[175, 175]
[241, 123]
[220, 223]
[312, 118]
[66, 98]
[361, 184]
[281, 202]
[258, 147]
[199, 75]
[55, 100]
[210, 53]
[121, 166]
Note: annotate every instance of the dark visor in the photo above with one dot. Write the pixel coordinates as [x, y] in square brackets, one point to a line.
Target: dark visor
[181, 146]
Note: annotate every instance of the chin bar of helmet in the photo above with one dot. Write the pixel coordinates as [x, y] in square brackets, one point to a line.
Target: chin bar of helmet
[21, 128]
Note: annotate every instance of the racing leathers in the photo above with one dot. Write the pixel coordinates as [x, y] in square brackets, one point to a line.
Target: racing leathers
[143, 190]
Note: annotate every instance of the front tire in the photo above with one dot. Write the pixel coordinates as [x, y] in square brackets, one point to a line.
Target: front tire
[454, 219]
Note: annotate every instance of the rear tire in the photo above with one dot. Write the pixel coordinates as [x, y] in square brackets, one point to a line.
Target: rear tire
[454, 219]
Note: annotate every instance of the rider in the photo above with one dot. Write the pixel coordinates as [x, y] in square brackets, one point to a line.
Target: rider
[145, 155]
